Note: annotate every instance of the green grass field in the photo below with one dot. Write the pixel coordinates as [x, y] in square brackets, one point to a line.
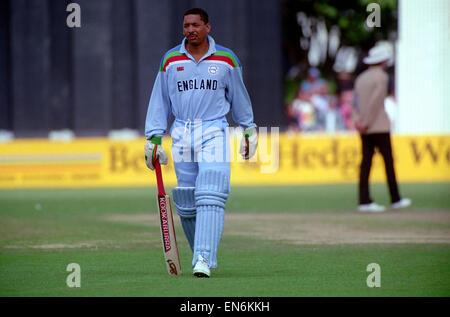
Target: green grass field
[277, 242]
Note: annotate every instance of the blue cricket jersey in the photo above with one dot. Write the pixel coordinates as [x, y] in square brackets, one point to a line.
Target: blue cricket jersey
[206, 90]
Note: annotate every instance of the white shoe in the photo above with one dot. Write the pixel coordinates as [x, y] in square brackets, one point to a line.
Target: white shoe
[372, 207]
[201, 268]
[402, 203]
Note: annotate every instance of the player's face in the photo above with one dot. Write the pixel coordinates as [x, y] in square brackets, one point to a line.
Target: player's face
[195, 30]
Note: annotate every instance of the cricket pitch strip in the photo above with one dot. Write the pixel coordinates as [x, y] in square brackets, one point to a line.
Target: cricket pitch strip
[343, 227]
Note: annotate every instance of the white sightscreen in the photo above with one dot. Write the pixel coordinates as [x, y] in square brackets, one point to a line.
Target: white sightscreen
[423, 67]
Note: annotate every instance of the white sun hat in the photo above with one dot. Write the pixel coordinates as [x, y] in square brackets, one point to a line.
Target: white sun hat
[378, 54]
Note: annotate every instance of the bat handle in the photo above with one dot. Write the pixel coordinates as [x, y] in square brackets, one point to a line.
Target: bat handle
[159, 179]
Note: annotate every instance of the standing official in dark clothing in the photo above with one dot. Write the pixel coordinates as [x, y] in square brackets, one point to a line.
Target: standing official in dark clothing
[372, 122]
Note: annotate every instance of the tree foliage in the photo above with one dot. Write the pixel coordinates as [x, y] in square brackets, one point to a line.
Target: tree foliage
[349, 16]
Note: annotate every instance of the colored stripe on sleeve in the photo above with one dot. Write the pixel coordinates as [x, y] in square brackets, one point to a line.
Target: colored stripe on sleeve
[172, 57]
[224, 59]
[230, 55]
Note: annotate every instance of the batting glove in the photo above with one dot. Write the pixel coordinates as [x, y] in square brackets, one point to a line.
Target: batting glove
[249, 143]
[153, 151]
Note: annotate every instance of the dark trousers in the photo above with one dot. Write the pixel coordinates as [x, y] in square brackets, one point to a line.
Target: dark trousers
[382, 141]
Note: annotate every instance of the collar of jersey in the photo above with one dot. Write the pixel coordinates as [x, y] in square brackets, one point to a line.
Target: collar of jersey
[211, 50]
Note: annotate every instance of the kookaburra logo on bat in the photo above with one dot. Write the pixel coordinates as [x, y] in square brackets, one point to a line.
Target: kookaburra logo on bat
[173, 268]
[164, 223]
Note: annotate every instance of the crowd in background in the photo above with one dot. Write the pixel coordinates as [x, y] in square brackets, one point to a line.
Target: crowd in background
[316, 109]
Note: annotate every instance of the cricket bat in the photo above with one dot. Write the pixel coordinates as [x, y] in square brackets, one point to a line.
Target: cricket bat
[169, 240]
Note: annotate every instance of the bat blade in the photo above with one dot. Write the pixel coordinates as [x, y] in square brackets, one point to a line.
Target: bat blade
[169, 240]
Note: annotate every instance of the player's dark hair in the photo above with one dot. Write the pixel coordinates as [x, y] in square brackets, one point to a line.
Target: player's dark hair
[202, 13]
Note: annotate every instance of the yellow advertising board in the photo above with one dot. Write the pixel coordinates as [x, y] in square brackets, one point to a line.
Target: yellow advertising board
[281, 160]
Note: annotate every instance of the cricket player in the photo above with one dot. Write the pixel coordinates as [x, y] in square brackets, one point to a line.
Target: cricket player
[199, 82]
